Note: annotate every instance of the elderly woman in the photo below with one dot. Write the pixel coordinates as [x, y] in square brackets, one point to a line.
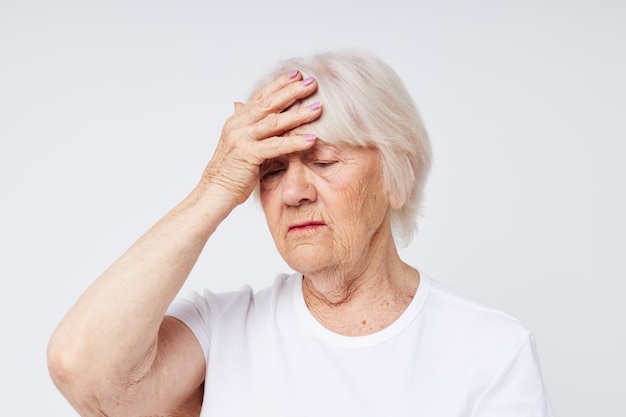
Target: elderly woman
[354, 332]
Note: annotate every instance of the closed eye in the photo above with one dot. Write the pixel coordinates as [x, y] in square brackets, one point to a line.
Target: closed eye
[271, 168]
[271, 173]
[324, 164]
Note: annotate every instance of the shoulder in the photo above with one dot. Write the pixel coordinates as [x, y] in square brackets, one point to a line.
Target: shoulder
[490, 353]
[466, 321]
[207, 311]
[210, 306]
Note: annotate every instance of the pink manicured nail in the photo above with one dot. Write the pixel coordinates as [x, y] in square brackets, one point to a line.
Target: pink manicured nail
[310, 138]
[314, 106]
[308, 81]
[292, 74]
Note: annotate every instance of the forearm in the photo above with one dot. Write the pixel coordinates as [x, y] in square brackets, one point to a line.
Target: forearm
[111, 330]
[106, 352]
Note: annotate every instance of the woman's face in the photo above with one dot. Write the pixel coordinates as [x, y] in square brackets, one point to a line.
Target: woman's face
[325, 206]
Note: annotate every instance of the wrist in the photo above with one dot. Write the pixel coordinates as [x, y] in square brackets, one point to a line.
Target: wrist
[211, 200]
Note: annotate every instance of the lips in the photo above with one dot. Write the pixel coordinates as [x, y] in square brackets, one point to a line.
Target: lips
[309, 225]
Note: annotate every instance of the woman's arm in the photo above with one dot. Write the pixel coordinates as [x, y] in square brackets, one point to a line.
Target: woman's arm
[113, 353]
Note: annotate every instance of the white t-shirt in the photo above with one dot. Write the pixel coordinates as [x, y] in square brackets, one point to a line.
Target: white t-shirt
[445, 356]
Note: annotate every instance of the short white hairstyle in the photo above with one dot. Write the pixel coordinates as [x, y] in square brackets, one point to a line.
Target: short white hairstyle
[366, 104]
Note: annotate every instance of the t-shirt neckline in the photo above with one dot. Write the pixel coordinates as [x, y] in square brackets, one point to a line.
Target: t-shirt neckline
[355, 342]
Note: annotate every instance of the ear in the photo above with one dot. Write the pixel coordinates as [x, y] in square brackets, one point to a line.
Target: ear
[396, 198]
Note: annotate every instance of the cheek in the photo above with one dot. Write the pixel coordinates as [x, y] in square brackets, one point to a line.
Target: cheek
[350, 215]
[264, 196]
[361, 199]
[270, 210]
[366, 206]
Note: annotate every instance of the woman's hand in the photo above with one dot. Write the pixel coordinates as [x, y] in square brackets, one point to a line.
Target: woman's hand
[255, 132]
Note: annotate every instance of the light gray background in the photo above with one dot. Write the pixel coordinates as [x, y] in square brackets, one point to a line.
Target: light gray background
[109, 111]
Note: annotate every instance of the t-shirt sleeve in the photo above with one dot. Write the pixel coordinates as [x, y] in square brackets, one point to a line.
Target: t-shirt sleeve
[518, 390]
[200, 312]
[194, 311]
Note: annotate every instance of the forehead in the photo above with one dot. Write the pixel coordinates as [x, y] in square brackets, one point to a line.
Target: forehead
[341, 152]
[340, 149]
[321, 147]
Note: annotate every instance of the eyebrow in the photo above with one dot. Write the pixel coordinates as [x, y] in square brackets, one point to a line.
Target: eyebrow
[319, 147]
[314, 151]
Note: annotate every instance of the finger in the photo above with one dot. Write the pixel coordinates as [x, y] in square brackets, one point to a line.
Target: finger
[281, 145]
[275, 124]
[280, 82]
[271, 100]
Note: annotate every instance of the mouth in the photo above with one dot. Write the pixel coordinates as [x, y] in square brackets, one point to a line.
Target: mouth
[306, 226]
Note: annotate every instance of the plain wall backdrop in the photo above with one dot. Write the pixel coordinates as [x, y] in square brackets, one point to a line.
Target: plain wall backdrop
[109, 111]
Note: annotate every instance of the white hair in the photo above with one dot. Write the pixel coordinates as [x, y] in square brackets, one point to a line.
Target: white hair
[366, 104]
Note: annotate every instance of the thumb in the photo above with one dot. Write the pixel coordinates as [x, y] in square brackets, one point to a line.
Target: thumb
[238, 105]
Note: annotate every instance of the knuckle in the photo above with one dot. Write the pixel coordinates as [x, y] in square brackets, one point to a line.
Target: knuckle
[271, 120]
[262, 101]
[251, 131]
[272, 147]
[276, 144]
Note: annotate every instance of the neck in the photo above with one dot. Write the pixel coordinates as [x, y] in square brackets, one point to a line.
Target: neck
[362, 298]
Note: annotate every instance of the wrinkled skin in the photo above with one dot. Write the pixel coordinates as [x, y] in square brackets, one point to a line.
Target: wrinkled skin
[325, 207]
[258, 130]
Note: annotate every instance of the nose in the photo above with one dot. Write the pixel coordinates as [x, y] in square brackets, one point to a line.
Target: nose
[296, 185]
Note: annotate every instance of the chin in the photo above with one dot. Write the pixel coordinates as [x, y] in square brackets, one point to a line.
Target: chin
[307, 259]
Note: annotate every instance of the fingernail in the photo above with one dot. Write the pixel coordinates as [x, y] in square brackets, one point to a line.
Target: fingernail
[308, 81]
[314, 106]
[310, 138]
[292, 74]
